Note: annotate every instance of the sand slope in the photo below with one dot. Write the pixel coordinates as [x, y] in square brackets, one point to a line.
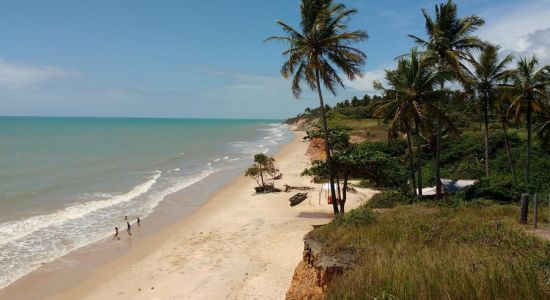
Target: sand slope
[239, 245]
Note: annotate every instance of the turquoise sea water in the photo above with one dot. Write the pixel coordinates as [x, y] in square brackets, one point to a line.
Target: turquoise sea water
[64, 180]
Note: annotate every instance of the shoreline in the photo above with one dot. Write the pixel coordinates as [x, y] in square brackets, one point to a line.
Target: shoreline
[234, 245]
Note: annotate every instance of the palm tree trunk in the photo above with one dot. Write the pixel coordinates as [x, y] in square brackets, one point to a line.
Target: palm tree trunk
[327, 145]
[528, 152]
[419, 163]
[511, 162]
[411, 163]
[437, 160]
[437, 154]
[486, 123]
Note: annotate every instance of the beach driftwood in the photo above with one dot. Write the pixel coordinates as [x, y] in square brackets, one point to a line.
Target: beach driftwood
[297, 199]
[289, 188]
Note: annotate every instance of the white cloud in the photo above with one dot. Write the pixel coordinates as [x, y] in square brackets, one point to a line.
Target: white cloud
[522, 28]
[364, 84]
[537, 43]
[16, 75]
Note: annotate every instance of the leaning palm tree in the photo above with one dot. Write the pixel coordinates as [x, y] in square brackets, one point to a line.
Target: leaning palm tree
[484, 79]
[316, 52]
[529, 83]
[412, 89]
[450, 38]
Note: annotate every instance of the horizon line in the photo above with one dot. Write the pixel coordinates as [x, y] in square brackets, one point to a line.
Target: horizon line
[135, 117]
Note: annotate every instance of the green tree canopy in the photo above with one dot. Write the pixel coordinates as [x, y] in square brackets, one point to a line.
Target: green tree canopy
[262, 170]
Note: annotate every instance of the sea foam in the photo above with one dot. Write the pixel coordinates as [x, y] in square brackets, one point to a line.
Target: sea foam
[13, 230]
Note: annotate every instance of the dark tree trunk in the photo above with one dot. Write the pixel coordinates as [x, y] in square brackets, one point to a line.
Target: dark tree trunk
[338, 188]
[524, 208]
[437, 155]
[262, 176]
[528, 151]
[419, 163]
[511, 162]
[327, 145]
[411, 163]
[344, 195]
[437, 158]
[486, 123]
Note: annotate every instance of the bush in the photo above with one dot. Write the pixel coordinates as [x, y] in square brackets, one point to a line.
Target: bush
[379, 168]
[394, 149]
[498, 187]
[388, 199]
[356, 113]
[359, 216]
[463, 157]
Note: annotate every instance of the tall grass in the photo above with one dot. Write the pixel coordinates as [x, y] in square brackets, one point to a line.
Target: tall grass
[421, 252]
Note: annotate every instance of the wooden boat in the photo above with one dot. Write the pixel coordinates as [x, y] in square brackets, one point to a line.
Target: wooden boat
[297, 199]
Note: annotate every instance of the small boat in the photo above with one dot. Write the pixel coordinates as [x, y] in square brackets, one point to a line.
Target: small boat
[297, 199]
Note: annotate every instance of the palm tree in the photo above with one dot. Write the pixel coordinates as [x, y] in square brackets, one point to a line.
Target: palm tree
[528, 86]
[412, 88]
[317, 51]
[487, 73]
[449, 37]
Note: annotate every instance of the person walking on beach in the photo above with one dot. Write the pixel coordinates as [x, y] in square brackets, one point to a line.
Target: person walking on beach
[138, 221]
[126, 218]
[116, 234]
[129, 229]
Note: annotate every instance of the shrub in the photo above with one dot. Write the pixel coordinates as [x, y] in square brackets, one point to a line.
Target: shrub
[388, 199]
[394, 149]
[498, 187]
[357, 113]
[359, 216]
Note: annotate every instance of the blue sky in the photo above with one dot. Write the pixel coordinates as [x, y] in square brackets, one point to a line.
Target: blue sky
[203, 58]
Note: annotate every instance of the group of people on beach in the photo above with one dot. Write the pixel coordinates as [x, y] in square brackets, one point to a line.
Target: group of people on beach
[128, 227]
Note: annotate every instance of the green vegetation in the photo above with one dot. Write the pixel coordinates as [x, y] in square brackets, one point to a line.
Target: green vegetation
[459, 133]
[487, 73]
[452, 108]
[365, 129]
[262, 171]
[361, 161]
[413, 89]
[388, 199]
[423, 252]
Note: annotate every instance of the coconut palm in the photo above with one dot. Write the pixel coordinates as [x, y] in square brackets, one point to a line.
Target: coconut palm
[486, 75]
[316, 52]
[412, 88]
[450, 38]
[528, 86]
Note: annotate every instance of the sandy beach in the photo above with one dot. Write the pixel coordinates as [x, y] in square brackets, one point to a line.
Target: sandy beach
[238, 245]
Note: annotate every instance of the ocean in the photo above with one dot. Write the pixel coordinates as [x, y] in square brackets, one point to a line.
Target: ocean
[66, 182]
